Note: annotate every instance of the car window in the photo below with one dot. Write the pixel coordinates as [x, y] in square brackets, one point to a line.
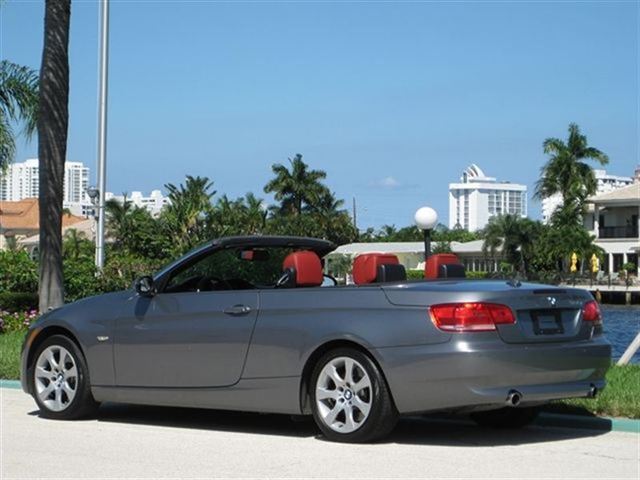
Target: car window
[229, 269]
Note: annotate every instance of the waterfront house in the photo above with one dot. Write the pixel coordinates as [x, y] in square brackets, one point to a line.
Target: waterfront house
[614, 219]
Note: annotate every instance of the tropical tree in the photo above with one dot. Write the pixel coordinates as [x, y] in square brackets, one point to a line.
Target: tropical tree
[556, 243]
[256, 214]
[52, 122]
[328, 211]
[567, 173]
[117, 219]
[75, 245]
[18, 104]
[185, 216]
[243, 216]
[297, 187]
[515, 236]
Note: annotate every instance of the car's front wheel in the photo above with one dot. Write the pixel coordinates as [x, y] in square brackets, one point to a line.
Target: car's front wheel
[60, 380]
[350, 398]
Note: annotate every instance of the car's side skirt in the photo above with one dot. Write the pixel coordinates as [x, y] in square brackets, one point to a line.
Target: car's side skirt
[268, 395]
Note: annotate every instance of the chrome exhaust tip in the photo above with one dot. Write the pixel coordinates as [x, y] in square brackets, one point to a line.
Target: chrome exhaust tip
[514, 398]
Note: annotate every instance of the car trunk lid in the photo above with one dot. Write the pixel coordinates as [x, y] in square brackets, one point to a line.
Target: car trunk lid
[543, 313]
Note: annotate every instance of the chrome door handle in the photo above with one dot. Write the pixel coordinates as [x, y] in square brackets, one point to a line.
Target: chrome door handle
[237, 310]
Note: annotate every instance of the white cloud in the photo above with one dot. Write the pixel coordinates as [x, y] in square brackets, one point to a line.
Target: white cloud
[387, 182]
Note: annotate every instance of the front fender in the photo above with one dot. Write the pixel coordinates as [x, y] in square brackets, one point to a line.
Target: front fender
[88, 322]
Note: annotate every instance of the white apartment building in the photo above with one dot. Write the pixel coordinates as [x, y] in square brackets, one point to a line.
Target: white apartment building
[20, 181]
[614, 219]
[605, 184]
[478, 198]
[154, 203]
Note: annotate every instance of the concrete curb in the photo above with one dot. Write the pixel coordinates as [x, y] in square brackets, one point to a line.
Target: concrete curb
[544, 419]
[15, 384]
[590, 423]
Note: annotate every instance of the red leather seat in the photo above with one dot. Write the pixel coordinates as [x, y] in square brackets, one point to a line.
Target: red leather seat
[436, 266]
[365, 266]
[306, 267]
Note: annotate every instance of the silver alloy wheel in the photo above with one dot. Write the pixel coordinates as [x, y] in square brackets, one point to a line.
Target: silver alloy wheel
[56, 378]
[344, 395]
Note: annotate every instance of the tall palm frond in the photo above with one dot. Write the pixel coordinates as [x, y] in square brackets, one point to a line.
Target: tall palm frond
[295, 187]
[18, 103]
[566, 172]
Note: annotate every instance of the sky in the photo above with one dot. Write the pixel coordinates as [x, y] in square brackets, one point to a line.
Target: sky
[392, 99]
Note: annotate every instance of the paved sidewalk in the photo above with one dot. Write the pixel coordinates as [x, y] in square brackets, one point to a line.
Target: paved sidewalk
[151, 442]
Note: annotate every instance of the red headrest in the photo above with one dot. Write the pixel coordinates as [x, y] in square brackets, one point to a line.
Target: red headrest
[365, 267]
[432, 267]
[307, 267]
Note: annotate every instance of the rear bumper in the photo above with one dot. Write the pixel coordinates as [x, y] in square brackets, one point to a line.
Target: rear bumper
[481, 370]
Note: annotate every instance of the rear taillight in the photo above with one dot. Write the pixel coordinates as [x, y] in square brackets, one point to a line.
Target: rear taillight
[470, 317]
[591, 312]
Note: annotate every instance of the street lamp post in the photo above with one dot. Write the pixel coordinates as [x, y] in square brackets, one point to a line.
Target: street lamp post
[94, 195]
[102, 130]
[426, 218]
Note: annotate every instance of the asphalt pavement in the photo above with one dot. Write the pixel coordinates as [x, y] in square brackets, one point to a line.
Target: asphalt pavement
[150, 442]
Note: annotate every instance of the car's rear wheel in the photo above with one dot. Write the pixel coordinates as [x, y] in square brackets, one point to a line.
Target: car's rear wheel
[350, 398]
[506, 417]
[60, 380]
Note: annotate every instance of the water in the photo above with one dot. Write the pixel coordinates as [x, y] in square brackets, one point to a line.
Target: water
[621, 325]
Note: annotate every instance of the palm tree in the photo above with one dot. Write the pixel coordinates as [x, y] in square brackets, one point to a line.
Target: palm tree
[516, 237]
[387, 233]
[117, 217]
[53, 120]
[296, 187]
[566, 172]
[190, 205]
[18, 103]
[256, 214]
[73, 243]
[329, 214]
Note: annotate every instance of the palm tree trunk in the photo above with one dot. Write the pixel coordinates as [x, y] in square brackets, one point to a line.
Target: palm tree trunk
[53, 119]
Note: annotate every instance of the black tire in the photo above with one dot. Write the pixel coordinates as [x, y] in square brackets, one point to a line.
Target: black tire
[382, 416]
[506, 418]
[83, 404]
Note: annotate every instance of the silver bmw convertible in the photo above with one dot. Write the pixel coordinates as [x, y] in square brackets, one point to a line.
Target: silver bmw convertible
[254, 324]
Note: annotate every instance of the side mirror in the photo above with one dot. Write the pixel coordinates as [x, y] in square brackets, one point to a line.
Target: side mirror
[144, 286]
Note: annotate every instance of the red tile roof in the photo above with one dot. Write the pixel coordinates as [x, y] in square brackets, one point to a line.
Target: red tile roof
[25, 215]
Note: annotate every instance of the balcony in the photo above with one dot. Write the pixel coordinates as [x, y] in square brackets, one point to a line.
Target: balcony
[618, 232]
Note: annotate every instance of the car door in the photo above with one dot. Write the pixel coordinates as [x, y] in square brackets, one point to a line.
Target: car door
[185, 336]
[188, 339]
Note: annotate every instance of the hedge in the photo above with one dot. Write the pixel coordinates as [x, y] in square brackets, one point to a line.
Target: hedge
[18, 301]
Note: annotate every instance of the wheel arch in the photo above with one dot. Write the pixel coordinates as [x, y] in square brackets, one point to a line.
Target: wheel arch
[46, 333]
[305, 378]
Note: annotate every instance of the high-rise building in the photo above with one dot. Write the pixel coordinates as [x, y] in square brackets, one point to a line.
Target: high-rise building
[605, 183]
[154, 203]
[478, 198]
[20, 181]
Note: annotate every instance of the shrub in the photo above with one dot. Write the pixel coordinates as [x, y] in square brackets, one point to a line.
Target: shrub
[477, 275]
[80, 278]
[18, 301]
[19, 272]
[415, 274]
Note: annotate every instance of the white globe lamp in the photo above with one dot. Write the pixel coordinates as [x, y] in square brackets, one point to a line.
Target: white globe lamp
[426, 219]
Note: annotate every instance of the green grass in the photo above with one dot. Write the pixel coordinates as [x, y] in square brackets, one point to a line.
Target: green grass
[10, 344]
[621, 398]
